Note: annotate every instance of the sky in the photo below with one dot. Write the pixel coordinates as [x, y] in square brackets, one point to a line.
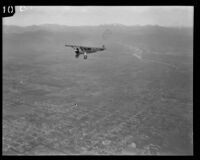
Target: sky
[169, 16]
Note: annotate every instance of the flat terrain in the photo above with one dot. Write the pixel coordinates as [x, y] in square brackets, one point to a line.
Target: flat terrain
[135, 98]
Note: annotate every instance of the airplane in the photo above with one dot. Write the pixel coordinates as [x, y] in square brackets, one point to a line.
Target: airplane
[85, 50]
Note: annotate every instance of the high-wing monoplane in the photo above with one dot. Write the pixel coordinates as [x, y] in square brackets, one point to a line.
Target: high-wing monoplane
[85, 50]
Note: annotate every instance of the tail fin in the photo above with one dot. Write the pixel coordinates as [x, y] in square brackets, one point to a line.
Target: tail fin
[103, 46]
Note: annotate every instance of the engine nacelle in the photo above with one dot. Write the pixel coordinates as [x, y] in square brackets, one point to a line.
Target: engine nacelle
[76, 51]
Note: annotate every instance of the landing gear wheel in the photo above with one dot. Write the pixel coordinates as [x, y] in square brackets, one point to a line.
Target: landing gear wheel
[77, 55]
[85, 56]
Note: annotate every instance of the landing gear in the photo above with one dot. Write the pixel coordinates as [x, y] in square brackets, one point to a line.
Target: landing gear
[85, 56]
[77, 55]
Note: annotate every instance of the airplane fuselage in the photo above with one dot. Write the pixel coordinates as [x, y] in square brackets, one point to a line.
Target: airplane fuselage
[84, 50]
[88, 50]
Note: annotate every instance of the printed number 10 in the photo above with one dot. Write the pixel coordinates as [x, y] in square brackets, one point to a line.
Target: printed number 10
[8, 9]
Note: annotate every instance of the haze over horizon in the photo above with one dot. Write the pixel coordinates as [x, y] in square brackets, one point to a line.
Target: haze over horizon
[165, 16]
[109, 24]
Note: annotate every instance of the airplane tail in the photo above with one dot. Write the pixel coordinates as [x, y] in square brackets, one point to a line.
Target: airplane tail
[103, 46]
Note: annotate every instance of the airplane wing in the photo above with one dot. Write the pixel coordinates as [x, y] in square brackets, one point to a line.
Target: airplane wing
[79, 47]
[73, 46]
[83, 47]
[86, 50]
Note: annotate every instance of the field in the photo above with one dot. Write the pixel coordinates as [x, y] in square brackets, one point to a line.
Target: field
[135, 98]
